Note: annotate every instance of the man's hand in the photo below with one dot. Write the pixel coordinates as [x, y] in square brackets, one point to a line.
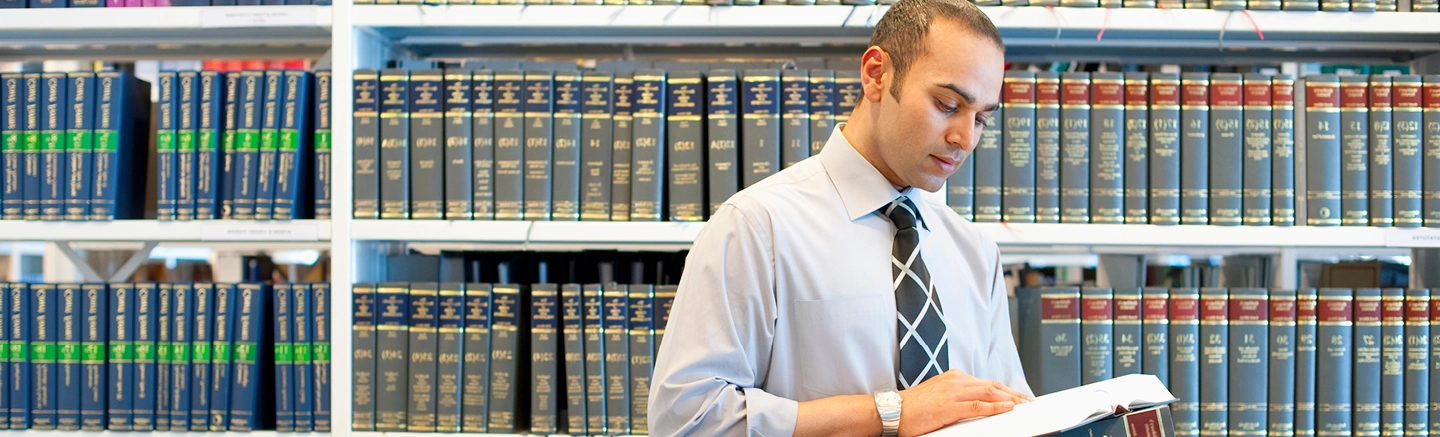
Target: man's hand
[951, 397]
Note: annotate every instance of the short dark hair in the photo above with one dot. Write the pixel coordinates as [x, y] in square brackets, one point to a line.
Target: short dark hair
[901, 32]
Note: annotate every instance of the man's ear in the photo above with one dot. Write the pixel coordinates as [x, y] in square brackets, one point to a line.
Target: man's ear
[875, 73]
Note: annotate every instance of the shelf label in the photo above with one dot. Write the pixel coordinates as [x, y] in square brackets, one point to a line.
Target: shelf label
[211, 18]
[260, 231]
[1417, 237]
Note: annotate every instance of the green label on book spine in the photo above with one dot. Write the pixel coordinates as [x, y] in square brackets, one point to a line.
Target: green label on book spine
[144, 352]
[179, 353]
[322, 141]
[43, 352]
[206, 138]
[165, 141]
[187, 141]
[122, 351]
[10, 141]
[221, 353]
[301, 353]
[245, 353]
[227, 141]
[32, 141]
[247, 141]
[4, 351]
[79, 140]
[107, 141]
[69, 352]
[321, 353]
[289, 140]
[202, 353]
[52, 141]
[162, 352]
[282, 353]
[268, 140]
[92, 353]
[17, 352]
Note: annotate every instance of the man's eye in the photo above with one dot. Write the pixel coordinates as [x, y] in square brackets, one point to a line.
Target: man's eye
[948, 109]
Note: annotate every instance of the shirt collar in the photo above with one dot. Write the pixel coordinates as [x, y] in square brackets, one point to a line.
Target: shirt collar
[862, 188]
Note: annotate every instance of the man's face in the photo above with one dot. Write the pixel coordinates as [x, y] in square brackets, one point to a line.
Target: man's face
[944, 100]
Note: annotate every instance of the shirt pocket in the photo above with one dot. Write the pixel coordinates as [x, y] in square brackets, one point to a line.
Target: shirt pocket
[845, 345]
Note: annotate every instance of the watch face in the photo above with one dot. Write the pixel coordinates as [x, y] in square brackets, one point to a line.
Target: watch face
[889, 397]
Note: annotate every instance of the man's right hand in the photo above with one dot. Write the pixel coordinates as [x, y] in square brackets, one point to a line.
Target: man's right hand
[950, 397]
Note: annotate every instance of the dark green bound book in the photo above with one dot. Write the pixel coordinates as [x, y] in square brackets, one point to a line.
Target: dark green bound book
[567, 131]
[505, 351]
[572, 315]
[1129, 313]
[1214, 361]
[1336, 360]
[1256, 163]
[596, 145]
[595, 383]
[509, 144]
[539, 151]
[1280, 417]
[448, 374]
[1137, 148]
[1227, 150]
[366, 119]
[722, 160]
[642, 354]
[1407, 180]
[686, 143]
[647, 154]
[424, 173]
[544, 364]
[1392, 362]
[624, 119]
[1184, 358]
[482, 137]
[1322, 150]
[1075, 148]
[1354, 151]
[424, 345]
[1249, 362]
[1165, 149]
[1097, 318]
[1366, 400]
[1282, 151]
[474, 396]
[795, 116]
[362, 366]
[1195, 148]
[393, 357]
[1047, 147]
[459, 150]
[760, 133]
[1107, 148]
[1018, 204]
[1382, 158]
[394, 144]
[616, 328]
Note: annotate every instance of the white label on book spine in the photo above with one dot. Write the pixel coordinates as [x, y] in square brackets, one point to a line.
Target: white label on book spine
[260, 232]
[211, 18]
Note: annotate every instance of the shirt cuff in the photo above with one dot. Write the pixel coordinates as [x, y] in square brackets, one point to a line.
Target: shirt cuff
[769, 415]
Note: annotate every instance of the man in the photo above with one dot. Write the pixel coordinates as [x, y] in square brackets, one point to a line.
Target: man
[812, 297]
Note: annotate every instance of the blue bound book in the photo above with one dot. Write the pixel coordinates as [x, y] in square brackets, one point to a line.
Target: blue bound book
[1096, 328]
[94, 335]
[1258, 140]
[1195, 148]
[166, 178]
[220, 358]
[572, 322]
[207, 145]
[1047, 147]
[320, 353]
[30, 173]
[1354, 151]
[323, 143]
[1249, 361]
[1417, 361]
[1334, 361]
[182, 331]
[449, 376]
[43, 367]
[1185, 359]
[164, 330]
[1283, 315]
[1018, 203]
[229, 154]
[54, 165]
[474, 394]
[394, 154]
[249, 354]
[1306, 355]
[5, 355]
[186, 124]
[120, 396]
[200, 357]
[284, 369]
[12, 127]
[293, 199]
[642, 355]
[267, 169]
[69, 306]
[594, 358]
[482, 140]
[80, 146]
[647, 153]
[1165, 149]
[301, 334]
[122, 129]
[362, 341]
[1282, 151]
[1060, 331]
[1156, 355]
[249, 108]
[617, 358]
[1322, 155]
[1214, 361]
[1408, 180]
[18, 305]
[544, 364]
[1129, 337]
[794, 96]
[1366, 360]
[1074, 164]
[366, 124]
[760, 125]
[1392, 361]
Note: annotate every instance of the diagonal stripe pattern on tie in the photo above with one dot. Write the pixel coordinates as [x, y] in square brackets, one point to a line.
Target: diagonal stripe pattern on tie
[924, 341]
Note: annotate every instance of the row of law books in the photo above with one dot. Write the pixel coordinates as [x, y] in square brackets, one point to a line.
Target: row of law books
[166, 356]
[239, 145]
[505, 358]
[1246, 361]
[18, 4]
[1259, 5]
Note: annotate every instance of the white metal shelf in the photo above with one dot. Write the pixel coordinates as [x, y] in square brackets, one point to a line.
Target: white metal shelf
[165, 33]
[199, 231]
[426, 434]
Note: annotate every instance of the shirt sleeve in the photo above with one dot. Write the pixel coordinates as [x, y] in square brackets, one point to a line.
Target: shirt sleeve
[718, 342]
[1004, 358]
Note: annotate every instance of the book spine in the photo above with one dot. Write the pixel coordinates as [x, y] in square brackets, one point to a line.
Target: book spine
[642, 355]
[320, 353]
[362, 365]
[1195, 149]
[1392, 362]
[366, 119]
[960, 189]
[323, 144]
[1322, 154]
[1137, 147]
[12, 149]
[794, 116]
[597, 145]
[93, 339]
[395, 124]
[685, 125]
[54, 171]
[207, 145]
[621, 147]
[301, 333]
[249, 111]
[293, 164]
[1214, 362]
[822, 109]
[1129, 315]
[545, 346]
[68, 311]
[1280, 417]
[988, 170]
[1227, 150]
[483, 140]
[1018, 204]
[1407, 180]
[595, 393]
[221, 357]
[1382, 160]
[1107, 148]
[723, 130]
[166, 145]
[393, 356]
[1249, 362]
[166, 301]
[760, 133]
[1097, 329]
[539, 145]
[450, 334]
[1424, 6]
[1354, 150]
[647, 157]
[44, 368]
[1156, 358]
[1255, 161]
[509, 144]
[1417, 361]
[1369, 316]
[250, 305]
[183, 323]
[423, 171]
[186, 104]
[1060, 330]
[1334, 362]
[1075, 149]
[1306, 356]
[1027, 336]
[200, 356]
[1304, 5]
[269, 156]
[80, 145]
[423, 345]
[617, 358]
[1165, 149]
[146, 321]
[1282, 151]
[31, 147]
[1185, 354]
[504, 356]
[1431, 163]
[459, 151]
[476, 367]
[121, 368]
[572, 322]
[228, 140]
[20, 389]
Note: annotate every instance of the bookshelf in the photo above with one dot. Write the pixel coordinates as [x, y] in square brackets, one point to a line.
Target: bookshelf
[233, 231]
[165, 33]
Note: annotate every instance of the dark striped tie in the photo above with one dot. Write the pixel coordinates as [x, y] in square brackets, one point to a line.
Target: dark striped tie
[924, 344]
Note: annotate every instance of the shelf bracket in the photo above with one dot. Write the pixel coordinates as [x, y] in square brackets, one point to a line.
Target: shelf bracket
[89, 274]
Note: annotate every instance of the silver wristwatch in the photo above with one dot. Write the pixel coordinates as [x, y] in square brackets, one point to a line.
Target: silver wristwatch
[887, 402]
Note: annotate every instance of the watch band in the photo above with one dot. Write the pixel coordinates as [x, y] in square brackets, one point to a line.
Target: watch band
[887, 403]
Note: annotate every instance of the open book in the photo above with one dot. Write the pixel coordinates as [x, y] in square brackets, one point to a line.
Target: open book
[1067, 409]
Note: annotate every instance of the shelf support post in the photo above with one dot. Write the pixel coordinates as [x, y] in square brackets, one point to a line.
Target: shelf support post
[1120, 271]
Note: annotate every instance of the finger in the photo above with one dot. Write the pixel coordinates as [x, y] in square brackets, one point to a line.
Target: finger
[970, 409]
[1013, 392]
[986, 393]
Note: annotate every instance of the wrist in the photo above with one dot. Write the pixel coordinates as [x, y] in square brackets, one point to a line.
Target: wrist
[887, 407]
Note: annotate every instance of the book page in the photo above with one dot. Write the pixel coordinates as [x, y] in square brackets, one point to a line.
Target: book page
[1067, 409]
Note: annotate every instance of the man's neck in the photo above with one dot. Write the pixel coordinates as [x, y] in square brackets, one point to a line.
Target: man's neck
[866, 145]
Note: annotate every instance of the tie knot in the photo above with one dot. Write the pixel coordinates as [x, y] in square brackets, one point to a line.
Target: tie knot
[901, 212]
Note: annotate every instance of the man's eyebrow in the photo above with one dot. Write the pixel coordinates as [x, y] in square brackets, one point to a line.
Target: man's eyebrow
[967, 97]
